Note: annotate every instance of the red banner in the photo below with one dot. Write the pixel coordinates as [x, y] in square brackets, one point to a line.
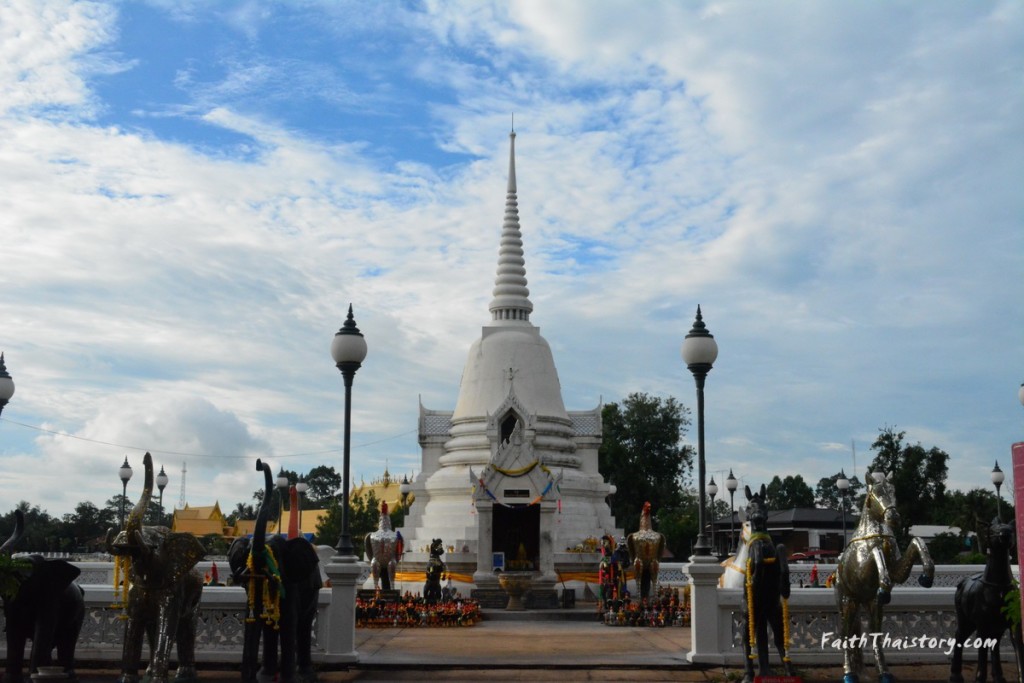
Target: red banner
[1017, 451]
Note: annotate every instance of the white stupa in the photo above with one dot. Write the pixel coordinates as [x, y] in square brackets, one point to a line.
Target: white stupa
[510, 474]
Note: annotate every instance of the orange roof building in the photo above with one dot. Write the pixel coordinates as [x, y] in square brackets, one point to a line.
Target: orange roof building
[201, 520]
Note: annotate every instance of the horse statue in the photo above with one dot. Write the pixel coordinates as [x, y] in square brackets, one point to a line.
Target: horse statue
[435, 568]
[868, 568]
[384, 550]
[734, 574]
[645, 548]
[767, 590]
[979, 607]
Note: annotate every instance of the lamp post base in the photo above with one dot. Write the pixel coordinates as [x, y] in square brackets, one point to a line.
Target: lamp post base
[339, 631]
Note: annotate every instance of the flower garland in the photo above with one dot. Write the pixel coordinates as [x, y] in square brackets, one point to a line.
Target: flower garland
[552, 483]
[752, 638]
[785, 629]
[273, 590]
[519, 472]
[122, 582]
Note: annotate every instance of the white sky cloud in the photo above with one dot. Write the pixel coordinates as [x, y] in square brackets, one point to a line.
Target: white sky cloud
[838, 188]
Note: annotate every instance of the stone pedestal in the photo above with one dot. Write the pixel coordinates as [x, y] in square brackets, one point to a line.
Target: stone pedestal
[382, 595]
[704, 572]
[339, 633]
[490, 598]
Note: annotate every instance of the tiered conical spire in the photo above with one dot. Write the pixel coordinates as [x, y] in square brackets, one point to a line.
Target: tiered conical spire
[511, 297]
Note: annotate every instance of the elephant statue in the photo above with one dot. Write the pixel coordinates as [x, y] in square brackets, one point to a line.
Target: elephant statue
[282, 579]
[164, 589]
[645, 549]
[47, 607]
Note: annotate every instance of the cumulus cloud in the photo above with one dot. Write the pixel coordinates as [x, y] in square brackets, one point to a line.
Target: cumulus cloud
[836, 187]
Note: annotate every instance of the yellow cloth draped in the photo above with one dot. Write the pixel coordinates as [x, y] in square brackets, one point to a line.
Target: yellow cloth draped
[414, 577]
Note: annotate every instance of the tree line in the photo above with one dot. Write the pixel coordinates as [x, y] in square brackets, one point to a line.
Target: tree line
[84, 530]
[644, 454]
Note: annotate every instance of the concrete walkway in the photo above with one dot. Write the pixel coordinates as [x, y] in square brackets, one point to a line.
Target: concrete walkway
[548, 650]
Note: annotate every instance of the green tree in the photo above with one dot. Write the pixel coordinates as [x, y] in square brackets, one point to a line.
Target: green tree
[363, 518]
[826, 493]
[679, 526]
[87, 526]
[324, 483]
[42, 532]
[791, 492]
[973, 511]
[946, 548]
[918, 475]
[215, 544]
[643, 455]
[241, 511]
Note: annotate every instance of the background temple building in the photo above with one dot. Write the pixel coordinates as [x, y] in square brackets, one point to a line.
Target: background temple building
[203, 520]
[509, 474]
[386, 489]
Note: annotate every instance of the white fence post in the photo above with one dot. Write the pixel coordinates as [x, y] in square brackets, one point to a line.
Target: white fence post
[704, 573]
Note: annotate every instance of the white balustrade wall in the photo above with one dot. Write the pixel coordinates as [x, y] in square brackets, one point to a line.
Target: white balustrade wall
[913, 612]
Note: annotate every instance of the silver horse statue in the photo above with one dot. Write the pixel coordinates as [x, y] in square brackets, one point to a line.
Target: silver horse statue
[384, 551]
[868, 568]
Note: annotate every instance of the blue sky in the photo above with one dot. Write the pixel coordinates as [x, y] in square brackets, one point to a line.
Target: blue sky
[195, 192]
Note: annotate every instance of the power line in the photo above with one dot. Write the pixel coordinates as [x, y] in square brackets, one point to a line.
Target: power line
[198, 455]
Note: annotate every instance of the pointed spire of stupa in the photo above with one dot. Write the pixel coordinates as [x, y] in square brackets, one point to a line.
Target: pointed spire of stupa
[511, 301]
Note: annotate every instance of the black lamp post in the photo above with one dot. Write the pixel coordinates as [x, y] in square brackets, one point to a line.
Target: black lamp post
[998, 477]
[843, 484]
[348, 350]
[125, 472]
[6, 384]
[731, 484]
[713, 491]
[699, 353]
[161, 483]
[300, 488]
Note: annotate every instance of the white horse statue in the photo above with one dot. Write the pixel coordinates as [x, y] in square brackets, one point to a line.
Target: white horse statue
[735, 574]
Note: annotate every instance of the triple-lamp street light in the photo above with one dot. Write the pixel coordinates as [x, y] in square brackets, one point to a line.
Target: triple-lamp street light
[125, 473]
[998, 477]
[712, 491]
[699, 353]
[348, 351]
[731, 483]
[843, 484]
[6, 384]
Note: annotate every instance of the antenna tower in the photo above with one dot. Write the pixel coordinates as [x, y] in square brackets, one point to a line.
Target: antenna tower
[181, 499]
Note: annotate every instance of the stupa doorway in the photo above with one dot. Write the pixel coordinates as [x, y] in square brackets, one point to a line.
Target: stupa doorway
[516, 533]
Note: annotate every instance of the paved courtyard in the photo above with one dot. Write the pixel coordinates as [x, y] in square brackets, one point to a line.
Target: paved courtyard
[537, 651]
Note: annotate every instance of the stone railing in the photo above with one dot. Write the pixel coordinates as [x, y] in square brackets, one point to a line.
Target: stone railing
[917, 625]
[218, 637]
[220, 630]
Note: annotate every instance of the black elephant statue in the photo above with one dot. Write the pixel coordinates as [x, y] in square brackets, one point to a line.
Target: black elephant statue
[164, 589]
[282, 578]
[47, 607]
